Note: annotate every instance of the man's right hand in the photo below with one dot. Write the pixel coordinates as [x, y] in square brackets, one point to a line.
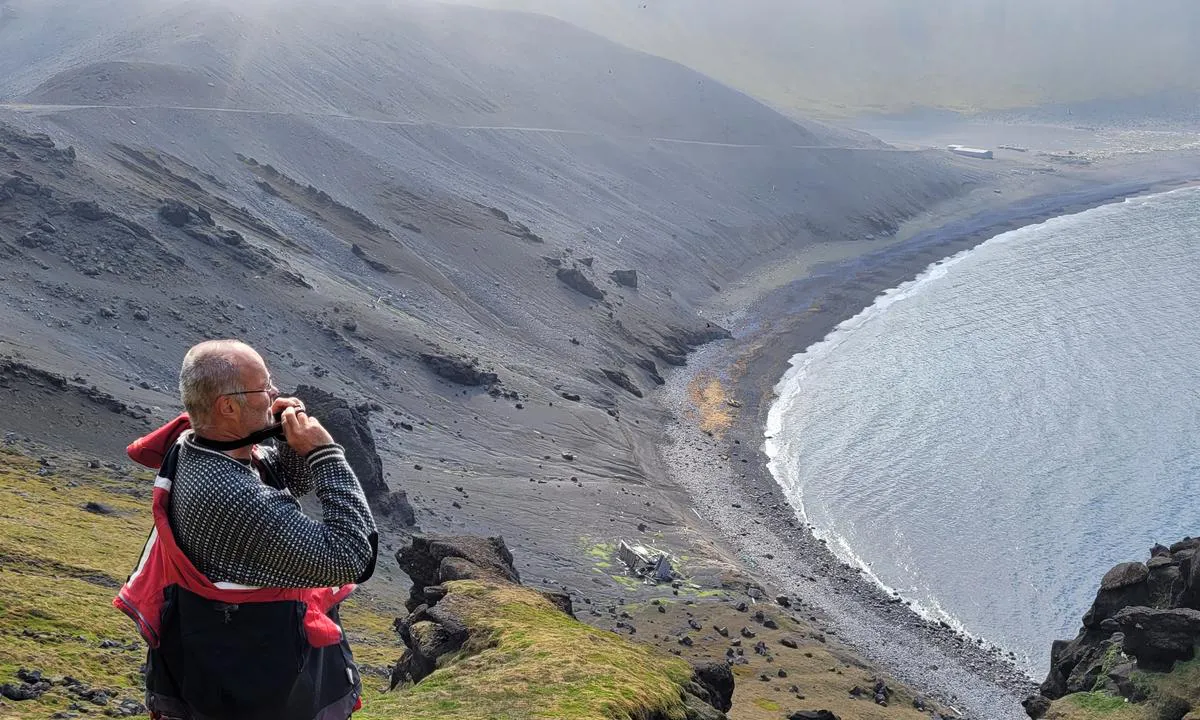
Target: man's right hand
[302, 432]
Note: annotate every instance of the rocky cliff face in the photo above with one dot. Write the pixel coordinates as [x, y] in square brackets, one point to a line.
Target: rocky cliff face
[1146, 618]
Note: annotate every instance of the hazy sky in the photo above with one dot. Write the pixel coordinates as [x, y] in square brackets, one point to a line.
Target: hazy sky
[957, 53]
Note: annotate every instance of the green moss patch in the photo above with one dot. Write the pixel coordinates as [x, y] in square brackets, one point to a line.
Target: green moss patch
[526, 659]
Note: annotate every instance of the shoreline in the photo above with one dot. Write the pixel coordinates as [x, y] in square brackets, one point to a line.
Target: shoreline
[715, 448]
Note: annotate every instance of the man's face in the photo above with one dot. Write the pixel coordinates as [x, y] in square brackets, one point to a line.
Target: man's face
[261, 393]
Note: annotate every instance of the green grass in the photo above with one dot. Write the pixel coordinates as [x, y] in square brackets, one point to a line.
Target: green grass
[526, 659]
[60, 567]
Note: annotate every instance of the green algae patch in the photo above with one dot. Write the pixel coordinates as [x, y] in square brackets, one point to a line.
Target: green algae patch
[526, 659]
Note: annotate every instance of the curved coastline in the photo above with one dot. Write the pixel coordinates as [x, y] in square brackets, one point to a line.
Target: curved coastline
[782, 466]
[726, 470]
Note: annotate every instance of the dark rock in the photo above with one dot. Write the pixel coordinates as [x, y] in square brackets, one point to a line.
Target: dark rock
[1123, 586]
[580, 283]
[622, 381]
[423, 559]
[717, 681]
[1158, 638]
[560, 600]
[351, 430]
[686, 641]
[747, 632]
[1124, 575]
[770, 624]
[460, 370]
[141, 314]
[570, 396]
[175, 213]
[395, 505]
[97, 508]
[45, 226]
[783, 601]
[625, 278]
[87, 210]
[1185, 544]
[812, 715]
[21, 692]
[789, 643]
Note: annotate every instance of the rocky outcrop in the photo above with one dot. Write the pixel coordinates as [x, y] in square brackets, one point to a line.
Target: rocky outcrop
[1159, 638]
[1145, 616]
[621, 380]
[459, 369]
[486, 614]
[350, 428]
[575, 279]
[625, 278]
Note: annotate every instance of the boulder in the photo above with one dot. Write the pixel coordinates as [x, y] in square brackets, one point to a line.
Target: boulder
[1123, 586]
[395, 505]
[175, 213]
[424, 561]
[812, 715]
[88, 210]
[350, 429]
[580, 283]
[459, 370]
[1036, 706]
[1159, 638]
[625, 278]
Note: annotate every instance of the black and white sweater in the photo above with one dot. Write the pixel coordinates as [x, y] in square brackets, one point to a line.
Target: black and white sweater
[237, 528]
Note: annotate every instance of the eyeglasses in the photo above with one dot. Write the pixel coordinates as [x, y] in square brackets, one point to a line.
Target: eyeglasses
[270, 390]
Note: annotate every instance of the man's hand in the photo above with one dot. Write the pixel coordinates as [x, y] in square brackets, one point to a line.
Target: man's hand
[302, 432]
[283, 403]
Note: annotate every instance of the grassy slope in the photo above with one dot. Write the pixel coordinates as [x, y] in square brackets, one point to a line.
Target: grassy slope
[61, 566]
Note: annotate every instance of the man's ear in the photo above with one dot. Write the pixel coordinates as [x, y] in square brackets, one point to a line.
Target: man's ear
[224, 407]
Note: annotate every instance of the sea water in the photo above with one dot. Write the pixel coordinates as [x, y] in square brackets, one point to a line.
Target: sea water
[991, 437]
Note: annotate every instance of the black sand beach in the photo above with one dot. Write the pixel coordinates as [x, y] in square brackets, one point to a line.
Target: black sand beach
[722, 399]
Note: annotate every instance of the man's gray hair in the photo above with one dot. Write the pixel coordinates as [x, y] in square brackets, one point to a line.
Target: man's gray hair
[209, 370]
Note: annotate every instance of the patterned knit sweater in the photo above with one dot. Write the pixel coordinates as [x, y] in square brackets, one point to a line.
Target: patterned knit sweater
[236, 528]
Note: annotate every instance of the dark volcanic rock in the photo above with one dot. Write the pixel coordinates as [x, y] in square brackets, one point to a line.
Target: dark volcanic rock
[460, 370]
[714, 685]
[1142, 612]
[87, 210]
[577, 281]
[350, 429]
[1036, 706]
[1158, 638]
[812, 715]
[1123, 586]
[625, 278]
[175, 213]
[395, 505]
[423, 560]
[622, 380]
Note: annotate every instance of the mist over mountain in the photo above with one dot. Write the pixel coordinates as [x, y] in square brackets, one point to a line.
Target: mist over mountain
[895, 55]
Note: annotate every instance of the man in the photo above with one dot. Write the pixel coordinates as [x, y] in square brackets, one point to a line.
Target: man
[247, 623]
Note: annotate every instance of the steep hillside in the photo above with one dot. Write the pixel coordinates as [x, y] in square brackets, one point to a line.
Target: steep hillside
[461, 279]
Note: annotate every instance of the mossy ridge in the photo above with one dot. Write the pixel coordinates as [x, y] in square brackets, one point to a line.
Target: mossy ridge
[526, 659]
[1182, 682]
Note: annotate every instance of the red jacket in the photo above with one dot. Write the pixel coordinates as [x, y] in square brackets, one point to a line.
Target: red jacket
[163, 563]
